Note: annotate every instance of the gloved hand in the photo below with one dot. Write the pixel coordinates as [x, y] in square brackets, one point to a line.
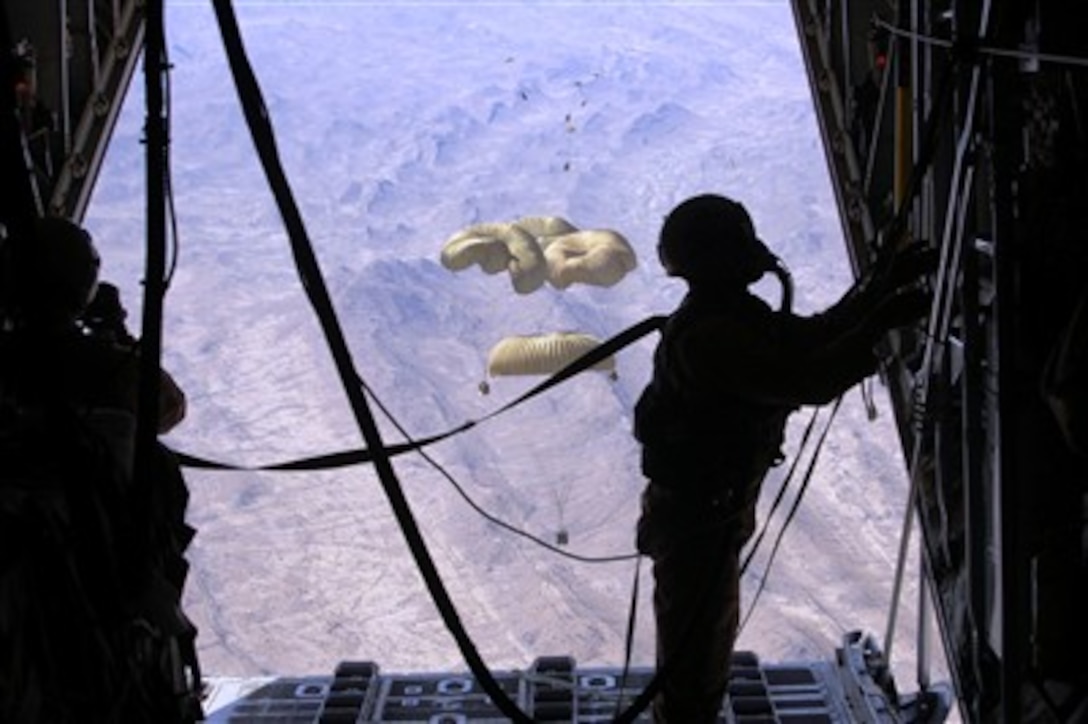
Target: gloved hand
[902, 308]
[898, 268]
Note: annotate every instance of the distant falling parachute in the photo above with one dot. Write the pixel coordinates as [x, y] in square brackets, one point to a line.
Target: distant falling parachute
[535, 249]
[543, 354]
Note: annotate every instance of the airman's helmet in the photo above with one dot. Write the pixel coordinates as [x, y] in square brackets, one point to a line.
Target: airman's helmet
[712, 238]
[56, 270]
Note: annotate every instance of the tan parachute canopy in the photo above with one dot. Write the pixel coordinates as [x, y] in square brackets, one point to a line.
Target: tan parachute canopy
[600, 257]
[538, 248]
[498, 247]
[543, 354]
[543, 227]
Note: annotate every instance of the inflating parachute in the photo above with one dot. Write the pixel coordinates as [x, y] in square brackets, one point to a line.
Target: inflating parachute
[496, 247]
[543, 354]
[538, 248]
[543, 227]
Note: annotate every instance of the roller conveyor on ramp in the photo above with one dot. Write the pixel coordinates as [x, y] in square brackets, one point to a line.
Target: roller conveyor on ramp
[845, 688]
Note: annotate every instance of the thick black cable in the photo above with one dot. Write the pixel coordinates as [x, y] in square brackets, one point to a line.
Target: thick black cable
[306, 262]
[330, 461]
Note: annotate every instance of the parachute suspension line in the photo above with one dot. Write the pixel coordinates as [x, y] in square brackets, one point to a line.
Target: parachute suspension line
[306, 262]
[792, 512]
[940, 317]
[480, 510]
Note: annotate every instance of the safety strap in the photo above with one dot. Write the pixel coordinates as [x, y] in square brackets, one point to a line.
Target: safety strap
[347, 458]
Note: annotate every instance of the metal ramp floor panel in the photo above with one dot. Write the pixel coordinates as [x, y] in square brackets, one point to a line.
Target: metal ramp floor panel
[553, 689]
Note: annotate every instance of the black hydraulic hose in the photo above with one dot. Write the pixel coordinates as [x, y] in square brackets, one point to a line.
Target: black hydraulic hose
[306, 262]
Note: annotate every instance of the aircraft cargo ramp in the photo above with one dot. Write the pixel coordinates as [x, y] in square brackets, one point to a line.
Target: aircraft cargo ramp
[555, 689]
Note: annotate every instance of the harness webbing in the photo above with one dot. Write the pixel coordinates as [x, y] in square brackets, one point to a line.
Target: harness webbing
[358, 456]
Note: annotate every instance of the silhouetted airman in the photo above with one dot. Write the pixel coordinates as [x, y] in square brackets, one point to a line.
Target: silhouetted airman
[728, 372]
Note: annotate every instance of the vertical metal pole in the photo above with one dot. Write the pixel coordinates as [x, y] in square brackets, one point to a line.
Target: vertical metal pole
[1003, 125]
[155, 268]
